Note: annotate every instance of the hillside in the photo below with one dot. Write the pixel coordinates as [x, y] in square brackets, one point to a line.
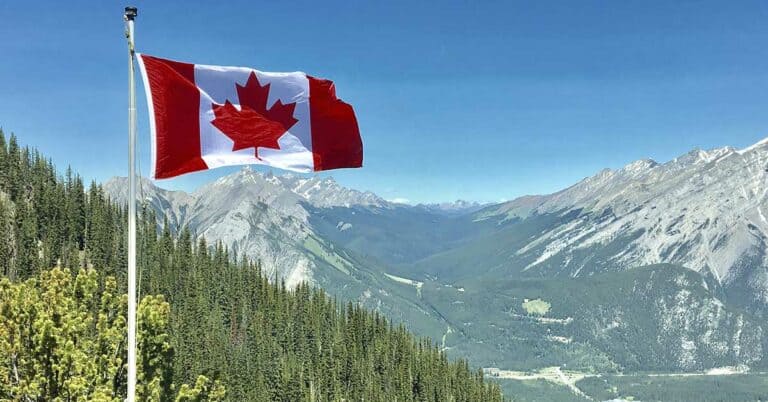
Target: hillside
[269, 219]
[260, 339]
[655, 318]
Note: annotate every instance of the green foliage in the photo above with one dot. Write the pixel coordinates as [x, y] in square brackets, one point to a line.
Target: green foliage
[50, 338]
[203, 390]
[62, 337]
[219, 324]
[46, 220]
[267, 342]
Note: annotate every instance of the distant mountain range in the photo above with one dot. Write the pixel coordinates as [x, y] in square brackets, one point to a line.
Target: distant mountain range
[648, 267]
[455, 207]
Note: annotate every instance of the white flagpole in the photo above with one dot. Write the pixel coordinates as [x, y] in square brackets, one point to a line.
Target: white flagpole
[130, 15]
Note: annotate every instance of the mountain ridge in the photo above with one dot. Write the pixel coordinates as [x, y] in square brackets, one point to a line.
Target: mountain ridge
[704, 210]
[701, 211]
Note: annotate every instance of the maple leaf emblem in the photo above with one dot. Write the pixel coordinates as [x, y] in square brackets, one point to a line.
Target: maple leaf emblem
[254, 125]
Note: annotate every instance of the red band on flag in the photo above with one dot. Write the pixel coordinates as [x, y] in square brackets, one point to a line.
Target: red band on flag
[176, 103]
[336, 139]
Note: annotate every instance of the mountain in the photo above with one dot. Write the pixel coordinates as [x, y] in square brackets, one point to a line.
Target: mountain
[704, 210]
[259, 215]
[454, 207]
[273, 219]
[652, 266]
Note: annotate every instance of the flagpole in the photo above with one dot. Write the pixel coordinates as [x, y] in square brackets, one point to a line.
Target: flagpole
[130, 15]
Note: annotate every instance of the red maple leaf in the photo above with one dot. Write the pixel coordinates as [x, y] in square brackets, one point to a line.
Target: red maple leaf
[254, 125]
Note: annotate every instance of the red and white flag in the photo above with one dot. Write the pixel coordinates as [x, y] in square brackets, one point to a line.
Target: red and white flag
[203, 117]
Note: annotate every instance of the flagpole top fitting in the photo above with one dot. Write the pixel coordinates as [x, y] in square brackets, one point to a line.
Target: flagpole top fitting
[131, 13]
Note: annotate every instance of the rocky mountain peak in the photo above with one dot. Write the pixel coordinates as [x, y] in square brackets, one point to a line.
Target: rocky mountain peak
[705, 210]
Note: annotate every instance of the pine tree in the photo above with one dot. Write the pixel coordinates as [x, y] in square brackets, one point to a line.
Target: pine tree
[7, 240]
[61, 338]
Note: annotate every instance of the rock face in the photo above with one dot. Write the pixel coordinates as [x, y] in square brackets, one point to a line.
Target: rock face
[262, 216]
[705, 210]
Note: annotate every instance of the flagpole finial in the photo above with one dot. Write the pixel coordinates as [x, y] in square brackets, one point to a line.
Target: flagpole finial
[131, 13]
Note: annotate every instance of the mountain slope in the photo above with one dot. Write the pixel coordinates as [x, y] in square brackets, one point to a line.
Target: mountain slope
[267, 218]
[262, 216]
[661, 317]
[704, 210]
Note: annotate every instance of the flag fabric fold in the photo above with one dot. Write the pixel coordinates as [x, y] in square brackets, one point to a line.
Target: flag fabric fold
[203, 117]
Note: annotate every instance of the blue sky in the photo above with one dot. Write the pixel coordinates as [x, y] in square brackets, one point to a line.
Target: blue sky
[473, 100]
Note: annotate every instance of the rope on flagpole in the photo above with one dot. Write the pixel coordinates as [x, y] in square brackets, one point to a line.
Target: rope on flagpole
[129, 16]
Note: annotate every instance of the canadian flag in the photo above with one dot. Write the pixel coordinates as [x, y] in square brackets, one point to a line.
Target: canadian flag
[203, 117]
